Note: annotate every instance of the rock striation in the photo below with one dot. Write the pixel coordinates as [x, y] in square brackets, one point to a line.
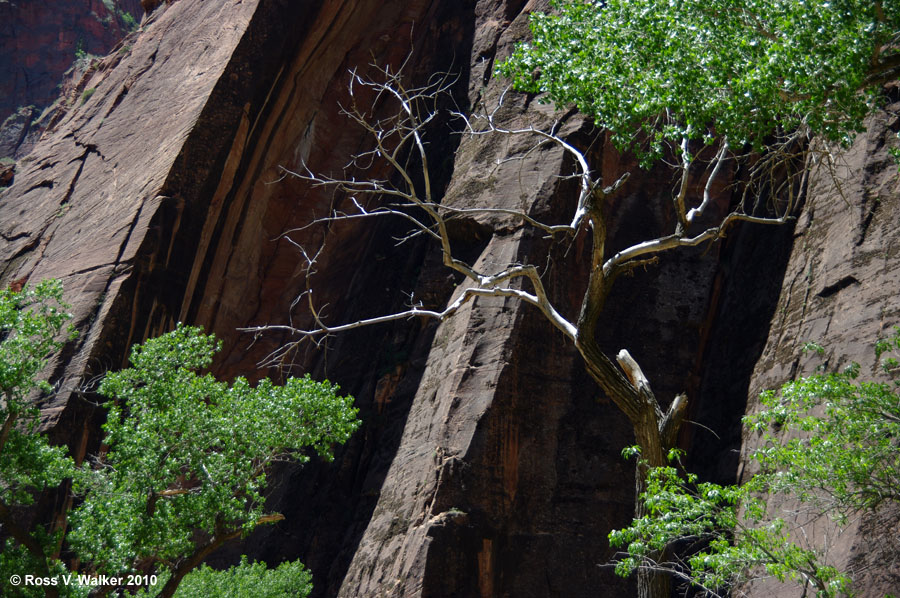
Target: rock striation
[39, 42]
[840, 291]
[488, 463]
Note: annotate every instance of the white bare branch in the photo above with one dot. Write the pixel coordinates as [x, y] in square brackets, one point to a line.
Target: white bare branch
[673, 241]
[633, 370]
[488, 125]
[322, 330]
[683, 187]
[398, 143]
[717, 164]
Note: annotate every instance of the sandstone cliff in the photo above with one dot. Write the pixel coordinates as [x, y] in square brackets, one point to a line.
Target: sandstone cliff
[840, 290]
[39, 42]
[488, 463]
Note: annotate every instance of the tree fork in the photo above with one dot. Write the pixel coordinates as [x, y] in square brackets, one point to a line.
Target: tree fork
[625, 384]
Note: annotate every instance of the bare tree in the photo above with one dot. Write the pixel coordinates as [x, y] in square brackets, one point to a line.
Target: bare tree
[408, 193]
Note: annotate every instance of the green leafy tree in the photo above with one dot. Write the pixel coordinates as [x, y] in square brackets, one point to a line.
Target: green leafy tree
[769, 84]
[188, 456]
[829, 445]
[695, 69]
[184, 468]
[31, 328]
[289, 579]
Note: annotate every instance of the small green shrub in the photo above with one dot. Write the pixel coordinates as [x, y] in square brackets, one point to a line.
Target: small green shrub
[288, 580]
[128, 19]
[87, 93]
[80, 54]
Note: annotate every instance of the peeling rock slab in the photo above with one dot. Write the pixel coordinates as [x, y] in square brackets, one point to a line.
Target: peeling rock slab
[82, 203]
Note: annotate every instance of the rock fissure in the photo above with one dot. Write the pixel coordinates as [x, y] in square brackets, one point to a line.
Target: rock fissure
[45, 184]
[836, 287]
[869, 207]
[94, 268]
[71, 188]
[16, 237]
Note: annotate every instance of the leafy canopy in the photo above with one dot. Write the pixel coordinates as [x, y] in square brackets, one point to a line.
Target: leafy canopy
[188, 453]
[742, 69]
[289, 579]
[185, 468]
[32, 327]
[829, 442]
[30, 323]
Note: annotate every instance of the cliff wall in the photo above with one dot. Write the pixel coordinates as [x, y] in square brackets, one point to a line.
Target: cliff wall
[39, 42]
[840, 291]
[488, 463]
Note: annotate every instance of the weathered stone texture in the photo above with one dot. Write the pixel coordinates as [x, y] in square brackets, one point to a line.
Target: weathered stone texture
[39, 41]
[95, 195]
[840, 291]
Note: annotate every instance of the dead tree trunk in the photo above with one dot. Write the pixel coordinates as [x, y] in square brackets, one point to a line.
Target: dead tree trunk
[409, 196]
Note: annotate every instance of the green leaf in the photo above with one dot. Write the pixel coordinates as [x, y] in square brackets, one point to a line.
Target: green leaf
[188, 456]
[828, 442]
[653, 73]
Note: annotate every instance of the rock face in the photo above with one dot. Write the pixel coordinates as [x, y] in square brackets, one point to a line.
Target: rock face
[840, 291]
[488, 463]
[39, 41]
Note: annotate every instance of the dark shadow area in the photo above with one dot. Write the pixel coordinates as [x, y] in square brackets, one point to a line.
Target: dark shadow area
[748, 285]
[327, 506]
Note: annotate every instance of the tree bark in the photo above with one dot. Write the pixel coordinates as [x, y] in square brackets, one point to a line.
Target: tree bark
[654, 432]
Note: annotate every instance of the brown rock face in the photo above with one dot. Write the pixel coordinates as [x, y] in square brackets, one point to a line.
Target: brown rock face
[840, 291]
[39, 42]
[86, 209]
[488, 464]
[7, 174]
[150, 5]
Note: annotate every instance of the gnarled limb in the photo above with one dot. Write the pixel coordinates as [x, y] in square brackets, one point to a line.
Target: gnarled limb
[395, 139]
[399, 142]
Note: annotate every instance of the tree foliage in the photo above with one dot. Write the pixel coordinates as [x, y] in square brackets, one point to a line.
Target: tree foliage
[743, 70]
[828, 443]
[31, 327]
[188, 455]
[187, 452]
[773, 84]
[30, 322]
[185, 463]
[289, 579]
